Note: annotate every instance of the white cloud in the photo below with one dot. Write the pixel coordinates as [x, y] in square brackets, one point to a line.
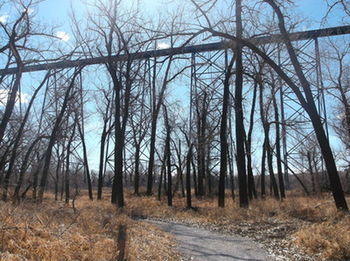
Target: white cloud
[3, 18]
[62, 35]
[4, 96]
[162, 46]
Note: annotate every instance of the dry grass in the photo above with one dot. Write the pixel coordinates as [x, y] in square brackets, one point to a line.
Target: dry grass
[328, 240]
[55, 232]
[312, 209]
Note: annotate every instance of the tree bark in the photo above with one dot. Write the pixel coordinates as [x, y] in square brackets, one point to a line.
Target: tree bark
[223, 134]
[156, 104]
[168, 156]
[263, 168]
[241, 164]
[251, 182]
[12, 97]
[86, 163]
[278, 146]
[188, 178]
[68, 170]
[23, 169]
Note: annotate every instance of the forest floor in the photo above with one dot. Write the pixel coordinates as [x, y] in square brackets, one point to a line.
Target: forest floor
[54, 231]
[299, 228]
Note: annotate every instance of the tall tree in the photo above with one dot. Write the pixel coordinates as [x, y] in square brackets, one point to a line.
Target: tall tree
[264, 108]
[305, 98]
[337, 190]
[19, 137]
[107, 115]
[157, 100]
[278, 143]
[223, 133]
[188, 178]
[241, 164]
[168, 155]
[54, 132]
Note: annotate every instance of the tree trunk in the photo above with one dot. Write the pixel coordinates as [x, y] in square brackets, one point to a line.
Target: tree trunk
[24, 168]
[268, 150]
[151, 155]
[168, 156]
[267, 147]
[156, 104]
[201, 132]
[18, 139]
[232, 181]
[311, 172]
[223, 134]
[162, 173]
[57, 175]
[188, 178]
[137, 169]
[86, 163]
[68, 170]
[278, 145]
[251, 182]
[13, 94]
[262, 180]
[117, 187]
[337, 190]
[53, 137]
[195, 185]
[102, 161]
[241, 164]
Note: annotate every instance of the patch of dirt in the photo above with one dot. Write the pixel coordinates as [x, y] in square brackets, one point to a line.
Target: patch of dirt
[275, 235]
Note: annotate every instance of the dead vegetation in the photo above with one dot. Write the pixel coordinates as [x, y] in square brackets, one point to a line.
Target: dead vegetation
[329, 240]
[55, 231]
[299, 228]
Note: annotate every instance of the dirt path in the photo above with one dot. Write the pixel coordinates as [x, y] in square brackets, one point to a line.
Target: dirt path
[201, 244]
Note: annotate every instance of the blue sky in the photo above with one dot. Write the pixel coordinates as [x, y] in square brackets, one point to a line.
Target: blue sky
[55, 12]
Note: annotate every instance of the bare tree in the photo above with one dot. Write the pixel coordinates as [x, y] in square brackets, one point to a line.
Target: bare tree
[264, 108]
[278, 143]
[53, 136]
[118, 35]
[306, 100]
[310, 107]
[157, 100]
[168, 155]
[19, 137]
[223, 134]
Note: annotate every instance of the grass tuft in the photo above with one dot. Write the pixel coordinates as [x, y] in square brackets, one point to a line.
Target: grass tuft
[54, 231]
[328, 240]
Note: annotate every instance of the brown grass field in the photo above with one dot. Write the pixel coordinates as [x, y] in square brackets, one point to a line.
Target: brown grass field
[55, 231]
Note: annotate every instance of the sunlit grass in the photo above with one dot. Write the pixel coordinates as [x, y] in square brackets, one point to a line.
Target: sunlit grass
[55, 231]
[320, 228]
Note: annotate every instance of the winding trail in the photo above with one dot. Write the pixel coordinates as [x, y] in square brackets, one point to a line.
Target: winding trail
[201, 244]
